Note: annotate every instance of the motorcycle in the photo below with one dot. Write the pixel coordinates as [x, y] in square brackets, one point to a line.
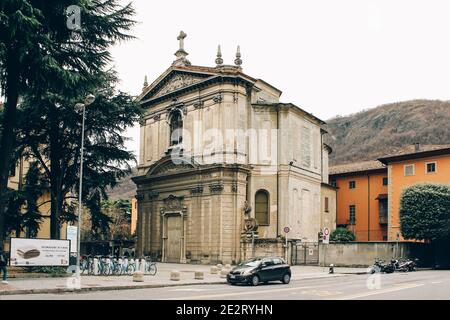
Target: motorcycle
[410, 265]
[381, 266]
[404, 265]
[399, 265]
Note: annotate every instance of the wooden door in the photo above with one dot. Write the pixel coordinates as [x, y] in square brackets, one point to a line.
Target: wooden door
[174, 232]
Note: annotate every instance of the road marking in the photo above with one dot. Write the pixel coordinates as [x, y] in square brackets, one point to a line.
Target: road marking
[379, 291]
[189, 289]
[436, 282]
[242, 293]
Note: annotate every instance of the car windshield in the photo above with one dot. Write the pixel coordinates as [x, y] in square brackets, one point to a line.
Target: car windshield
[251, 263]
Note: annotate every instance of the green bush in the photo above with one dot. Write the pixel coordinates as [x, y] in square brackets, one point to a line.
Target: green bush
[342, 235]
[425, 212]
[47, 270]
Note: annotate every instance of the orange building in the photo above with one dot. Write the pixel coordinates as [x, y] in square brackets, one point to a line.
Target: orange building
[415, 164]
[362, 199]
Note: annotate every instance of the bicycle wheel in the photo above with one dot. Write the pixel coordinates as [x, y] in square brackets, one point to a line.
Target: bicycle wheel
[91, 268]
[130, 269]
[152, 269]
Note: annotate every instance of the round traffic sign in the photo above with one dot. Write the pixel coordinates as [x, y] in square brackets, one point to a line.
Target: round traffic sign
[286, 229]
[326, 231]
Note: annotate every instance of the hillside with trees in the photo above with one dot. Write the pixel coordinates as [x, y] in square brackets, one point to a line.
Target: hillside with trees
[383, 130]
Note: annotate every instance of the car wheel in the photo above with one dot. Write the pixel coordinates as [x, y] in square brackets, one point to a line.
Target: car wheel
[286, 278]
[254, 280]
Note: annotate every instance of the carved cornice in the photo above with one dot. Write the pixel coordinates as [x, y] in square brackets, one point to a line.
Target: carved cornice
[218, 98]
[199, 104]
[152, 195]
[139, 197]
[216, 187]
[197, 190]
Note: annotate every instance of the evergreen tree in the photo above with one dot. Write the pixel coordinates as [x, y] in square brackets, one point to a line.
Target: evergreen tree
[33, 190]
[41, 52]
[51, 132]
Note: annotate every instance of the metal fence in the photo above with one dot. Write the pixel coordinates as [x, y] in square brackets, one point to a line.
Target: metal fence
[305, 253]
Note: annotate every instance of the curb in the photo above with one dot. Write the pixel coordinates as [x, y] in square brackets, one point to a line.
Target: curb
[132, 287]
[105, 288]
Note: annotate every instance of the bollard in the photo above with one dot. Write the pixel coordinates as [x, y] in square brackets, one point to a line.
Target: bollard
[95, 266]
[331, 270]
[138, 276]
[175, 275]
[198, 275]
[214, 270]
[224, 272]
[228, 266]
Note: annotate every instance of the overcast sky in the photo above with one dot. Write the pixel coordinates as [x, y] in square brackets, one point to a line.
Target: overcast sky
[328, 57]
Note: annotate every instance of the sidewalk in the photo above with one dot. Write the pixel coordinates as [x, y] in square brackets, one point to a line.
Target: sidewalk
[161, 279]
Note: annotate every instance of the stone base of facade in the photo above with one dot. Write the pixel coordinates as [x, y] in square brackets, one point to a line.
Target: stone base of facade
[264, 248]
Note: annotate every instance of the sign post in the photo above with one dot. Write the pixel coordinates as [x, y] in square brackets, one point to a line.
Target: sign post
[325, 241]
[72, 235]
[286, 231]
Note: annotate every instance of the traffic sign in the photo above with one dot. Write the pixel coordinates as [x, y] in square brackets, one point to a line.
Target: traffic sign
[326, 236]
[286, 229]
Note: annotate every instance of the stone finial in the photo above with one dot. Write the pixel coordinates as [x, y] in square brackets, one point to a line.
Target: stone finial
[181, 54]
[145, 82]
[238, 60]
[219, 60]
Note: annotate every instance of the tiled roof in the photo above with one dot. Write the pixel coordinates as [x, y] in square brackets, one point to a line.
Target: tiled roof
[412, 152]
[411, 149]
[356, 167]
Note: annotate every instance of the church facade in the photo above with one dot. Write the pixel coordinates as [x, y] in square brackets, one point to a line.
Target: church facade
[223, 162]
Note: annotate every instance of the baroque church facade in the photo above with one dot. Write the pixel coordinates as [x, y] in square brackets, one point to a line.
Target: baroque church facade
[223, 162]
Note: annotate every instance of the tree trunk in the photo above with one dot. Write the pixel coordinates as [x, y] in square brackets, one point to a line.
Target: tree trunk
[56, 176]
[7, 141]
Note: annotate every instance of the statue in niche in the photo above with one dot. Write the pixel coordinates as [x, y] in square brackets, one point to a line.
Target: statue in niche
[247, 209]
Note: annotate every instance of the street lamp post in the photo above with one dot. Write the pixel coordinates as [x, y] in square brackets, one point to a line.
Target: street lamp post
[87, 101]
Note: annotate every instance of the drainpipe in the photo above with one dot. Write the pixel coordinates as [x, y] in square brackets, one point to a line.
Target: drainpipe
[278, 170]
[368, 207]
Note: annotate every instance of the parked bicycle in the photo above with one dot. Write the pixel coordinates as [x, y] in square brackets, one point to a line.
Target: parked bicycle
[110, 265]
[150, 267]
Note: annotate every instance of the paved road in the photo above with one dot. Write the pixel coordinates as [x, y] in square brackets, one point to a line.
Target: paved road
[415, 285]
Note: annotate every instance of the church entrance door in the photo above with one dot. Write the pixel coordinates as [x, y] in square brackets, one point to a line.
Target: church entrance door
[174, 234]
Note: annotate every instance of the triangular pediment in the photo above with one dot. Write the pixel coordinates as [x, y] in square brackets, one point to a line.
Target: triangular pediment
[173, 80]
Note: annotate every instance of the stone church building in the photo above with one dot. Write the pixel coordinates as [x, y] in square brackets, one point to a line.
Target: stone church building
[225, 166]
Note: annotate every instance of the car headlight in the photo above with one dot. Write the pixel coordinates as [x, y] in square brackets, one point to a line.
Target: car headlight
[247, 272]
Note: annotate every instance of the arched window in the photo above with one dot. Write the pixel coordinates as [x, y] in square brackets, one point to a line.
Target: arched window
[262, 207]
[176, 128]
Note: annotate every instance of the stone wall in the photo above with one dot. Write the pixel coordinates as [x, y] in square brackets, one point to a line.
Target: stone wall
[362, 254]
[263, 248]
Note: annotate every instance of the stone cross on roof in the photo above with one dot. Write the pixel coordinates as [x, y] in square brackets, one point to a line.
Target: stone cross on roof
[181, 53]
[181, 38]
